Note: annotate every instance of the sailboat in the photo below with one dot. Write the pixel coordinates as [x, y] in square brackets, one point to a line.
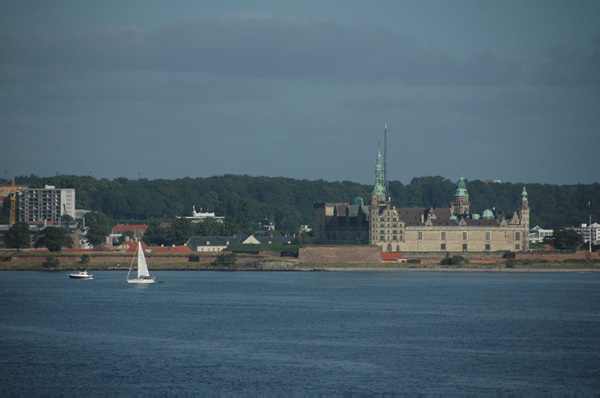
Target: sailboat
[143, 276]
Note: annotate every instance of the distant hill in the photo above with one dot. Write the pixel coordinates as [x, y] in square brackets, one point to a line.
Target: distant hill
[288, 202]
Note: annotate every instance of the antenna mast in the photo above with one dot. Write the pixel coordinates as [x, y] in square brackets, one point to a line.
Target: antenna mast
[385, 162]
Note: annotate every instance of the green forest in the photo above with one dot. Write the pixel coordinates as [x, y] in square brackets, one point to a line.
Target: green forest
[288, 203]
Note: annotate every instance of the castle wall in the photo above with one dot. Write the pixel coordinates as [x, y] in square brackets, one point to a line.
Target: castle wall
[344, 254]
[453, 239]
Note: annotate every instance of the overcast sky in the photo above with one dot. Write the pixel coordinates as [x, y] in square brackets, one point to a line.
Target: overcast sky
[170, 89]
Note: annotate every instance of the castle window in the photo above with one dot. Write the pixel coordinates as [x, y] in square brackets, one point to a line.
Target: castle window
[488, 247]
[488, 236]
[420, 235]
[517, 236]
[465, 247]
[443, 235]
[443, 246]
[464, 236]
[517, 247]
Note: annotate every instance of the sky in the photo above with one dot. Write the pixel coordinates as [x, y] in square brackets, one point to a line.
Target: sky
[302, 89]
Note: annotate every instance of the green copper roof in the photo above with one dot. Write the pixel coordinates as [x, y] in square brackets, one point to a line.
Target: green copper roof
[379, 176]
[524, 193]
[461, 189]
[487, 213]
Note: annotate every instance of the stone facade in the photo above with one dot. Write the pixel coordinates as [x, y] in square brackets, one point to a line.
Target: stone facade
[453, 229]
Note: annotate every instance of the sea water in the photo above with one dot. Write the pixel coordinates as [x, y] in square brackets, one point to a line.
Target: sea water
[272, 333]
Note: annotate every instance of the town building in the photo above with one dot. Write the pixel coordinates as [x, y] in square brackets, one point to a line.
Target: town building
[537, 234]
[587, 231]
[134, 231]
[453, 229]
[219, 243]
[46, 204]
[200, 216]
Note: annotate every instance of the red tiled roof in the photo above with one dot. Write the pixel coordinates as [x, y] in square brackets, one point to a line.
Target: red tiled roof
[133, 246]
[388, 256]
[100, 248]
[180, 249]
[160, 249]
[133, 227]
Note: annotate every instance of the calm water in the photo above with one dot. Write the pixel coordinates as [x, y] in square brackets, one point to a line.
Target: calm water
[300, 333]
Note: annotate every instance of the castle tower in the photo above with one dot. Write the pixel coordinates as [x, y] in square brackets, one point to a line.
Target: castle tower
[379, 187]
[460, 206]
[524, 216]
[378, 201]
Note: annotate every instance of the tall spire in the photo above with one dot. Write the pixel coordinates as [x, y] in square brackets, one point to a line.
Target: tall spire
[385, 160]
[461, 189]
[379, 187]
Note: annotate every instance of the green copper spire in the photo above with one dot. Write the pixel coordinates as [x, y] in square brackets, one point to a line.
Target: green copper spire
[524, 193]
[379, 176]
[461, 189]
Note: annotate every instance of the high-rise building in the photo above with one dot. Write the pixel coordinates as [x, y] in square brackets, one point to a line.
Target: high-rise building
[46, 204]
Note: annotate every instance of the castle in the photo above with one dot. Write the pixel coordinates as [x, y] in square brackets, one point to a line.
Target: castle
[453, 229]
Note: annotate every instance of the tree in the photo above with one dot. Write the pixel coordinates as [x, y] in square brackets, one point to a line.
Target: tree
[5, 213]
[66, 218]
[226, 260]
[155, 235]
[51, 262]
[18, 236]
[230, 227]
[54, 238]
[454, 260]
[305, 238]
[98, 228]
[181, 230]
[567, 239]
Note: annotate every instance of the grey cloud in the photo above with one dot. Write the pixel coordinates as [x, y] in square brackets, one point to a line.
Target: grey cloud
[261, 47]
[568, 66]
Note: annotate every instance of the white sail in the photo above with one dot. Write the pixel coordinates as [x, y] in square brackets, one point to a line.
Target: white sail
[142, 265]
[143, 276]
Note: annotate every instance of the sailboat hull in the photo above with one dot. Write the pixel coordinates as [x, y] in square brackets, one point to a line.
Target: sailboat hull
[142, 281]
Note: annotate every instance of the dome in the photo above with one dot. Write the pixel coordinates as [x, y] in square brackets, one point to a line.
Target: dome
[357, 200]
[488, 214]
[476, 216]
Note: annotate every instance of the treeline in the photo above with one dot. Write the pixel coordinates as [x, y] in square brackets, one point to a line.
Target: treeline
[288, 202]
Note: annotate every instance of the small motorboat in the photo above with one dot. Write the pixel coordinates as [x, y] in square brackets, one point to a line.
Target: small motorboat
[81, 275]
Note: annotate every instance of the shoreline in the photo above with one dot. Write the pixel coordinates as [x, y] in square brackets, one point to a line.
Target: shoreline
[324, 268]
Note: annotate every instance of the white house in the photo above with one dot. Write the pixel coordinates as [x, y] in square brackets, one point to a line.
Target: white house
[537, 234]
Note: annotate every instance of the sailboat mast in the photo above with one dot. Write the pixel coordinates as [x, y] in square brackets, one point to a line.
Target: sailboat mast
[131, 266]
